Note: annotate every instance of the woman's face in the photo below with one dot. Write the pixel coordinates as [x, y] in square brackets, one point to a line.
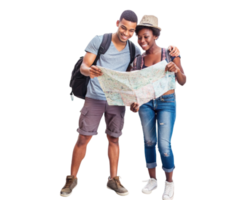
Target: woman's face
[146, 38]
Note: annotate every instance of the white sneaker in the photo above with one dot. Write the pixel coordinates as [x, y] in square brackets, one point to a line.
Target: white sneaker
[151, 185]
[169, 191]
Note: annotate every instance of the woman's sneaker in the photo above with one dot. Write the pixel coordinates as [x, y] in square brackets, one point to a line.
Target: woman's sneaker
[168, 190]
[151, 185]
[69, 186]
[115, 184]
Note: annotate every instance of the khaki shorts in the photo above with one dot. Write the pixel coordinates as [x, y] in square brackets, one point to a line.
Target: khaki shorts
[91, 115]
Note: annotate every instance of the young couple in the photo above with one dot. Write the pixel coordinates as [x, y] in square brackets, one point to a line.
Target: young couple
[162, 109]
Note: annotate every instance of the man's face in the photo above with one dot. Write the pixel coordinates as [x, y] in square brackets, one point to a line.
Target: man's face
[126, 29]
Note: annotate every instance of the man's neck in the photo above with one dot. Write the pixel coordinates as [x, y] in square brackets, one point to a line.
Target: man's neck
[117, 42]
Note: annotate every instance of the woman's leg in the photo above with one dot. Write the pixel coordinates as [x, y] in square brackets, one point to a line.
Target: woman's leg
[152, 173]
[148, 121]
[169, 176]
[166, 117]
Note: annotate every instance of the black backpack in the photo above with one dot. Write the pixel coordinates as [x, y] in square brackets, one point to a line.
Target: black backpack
[78, 81]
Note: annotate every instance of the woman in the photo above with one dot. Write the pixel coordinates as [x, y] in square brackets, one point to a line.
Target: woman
[162, 109]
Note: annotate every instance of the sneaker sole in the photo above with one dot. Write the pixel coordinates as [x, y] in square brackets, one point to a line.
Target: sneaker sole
[173, 198]
[149, 192]
[117, 193]
[67, 195]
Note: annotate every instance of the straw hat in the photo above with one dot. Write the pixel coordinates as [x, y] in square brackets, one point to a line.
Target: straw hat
[149, 21]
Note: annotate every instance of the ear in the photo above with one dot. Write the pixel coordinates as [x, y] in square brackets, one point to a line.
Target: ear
[116, 23]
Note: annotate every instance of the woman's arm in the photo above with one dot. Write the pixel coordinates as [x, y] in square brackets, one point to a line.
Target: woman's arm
[181, 78]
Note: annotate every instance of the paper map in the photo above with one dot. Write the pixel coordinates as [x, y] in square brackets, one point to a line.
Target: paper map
[140, 86]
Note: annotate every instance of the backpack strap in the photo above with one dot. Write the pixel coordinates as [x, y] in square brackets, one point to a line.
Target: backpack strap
[132, 51]
[132, 54]
[161, 54]
[104, 45]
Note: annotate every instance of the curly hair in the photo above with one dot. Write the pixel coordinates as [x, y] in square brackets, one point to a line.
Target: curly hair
[156, 31]
[129, 16]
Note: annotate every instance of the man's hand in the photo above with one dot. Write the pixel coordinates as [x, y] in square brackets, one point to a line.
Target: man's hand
[174, 51]
[172, 67]
[95, 71]
[134, 107]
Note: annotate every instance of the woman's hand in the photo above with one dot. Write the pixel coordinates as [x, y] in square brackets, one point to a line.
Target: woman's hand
[134, 107]
[174, 51]
[172, 67]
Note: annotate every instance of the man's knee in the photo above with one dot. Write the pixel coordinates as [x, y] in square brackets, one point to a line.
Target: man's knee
[84, 139]
[113, 140]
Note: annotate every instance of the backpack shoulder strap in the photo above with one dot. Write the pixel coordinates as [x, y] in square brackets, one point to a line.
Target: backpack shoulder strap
[104, 45]
[132, 51]
[162, 54]
[132, 54]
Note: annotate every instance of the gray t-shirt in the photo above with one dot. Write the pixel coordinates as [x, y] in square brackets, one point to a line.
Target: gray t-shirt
[112, 59]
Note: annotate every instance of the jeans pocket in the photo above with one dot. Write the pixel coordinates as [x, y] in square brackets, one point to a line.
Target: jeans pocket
[168, 100]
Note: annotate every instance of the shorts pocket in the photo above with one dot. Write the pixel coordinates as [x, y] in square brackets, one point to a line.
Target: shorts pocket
[122, 120]
[81, 116]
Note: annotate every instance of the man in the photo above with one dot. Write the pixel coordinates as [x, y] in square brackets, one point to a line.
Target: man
[116, 58]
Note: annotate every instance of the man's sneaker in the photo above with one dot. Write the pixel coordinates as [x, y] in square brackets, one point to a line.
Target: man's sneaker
[114, 184]
[71, 182]
[151, 185]
[169, 191]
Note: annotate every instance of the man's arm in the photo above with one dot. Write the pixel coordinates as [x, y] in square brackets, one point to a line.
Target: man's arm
[88, 60]
[182, 77]
[173, 51]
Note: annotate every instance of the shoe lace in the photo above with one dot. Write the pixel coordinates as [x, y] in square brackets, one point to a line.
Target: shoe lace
[118, 180]
[118, 183]
[68, 183]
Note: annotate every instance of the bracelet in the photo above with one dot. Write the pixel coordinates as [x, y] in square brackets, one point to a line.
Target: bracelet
[172, 57]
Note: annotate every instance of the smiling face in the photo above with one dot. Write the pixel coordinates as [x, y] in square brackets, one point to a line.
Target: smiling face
[125, 29]
[146, 38]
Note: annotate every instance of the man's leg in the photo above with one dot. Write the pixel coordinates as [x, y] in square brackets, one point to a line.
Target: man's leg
[79, 153]
[113, 155]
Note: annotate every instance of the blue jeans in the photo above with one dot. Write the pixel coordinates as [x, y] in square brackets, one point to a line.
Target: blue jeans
[163, 111]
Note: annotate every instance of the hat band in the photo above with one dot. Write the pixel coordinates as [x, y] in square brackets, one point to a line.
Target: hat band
[147, 24]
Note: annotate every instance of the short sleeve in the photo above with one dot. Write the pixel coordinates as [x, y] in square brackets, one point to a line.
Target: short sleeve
[94, 45]
[172, 57]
